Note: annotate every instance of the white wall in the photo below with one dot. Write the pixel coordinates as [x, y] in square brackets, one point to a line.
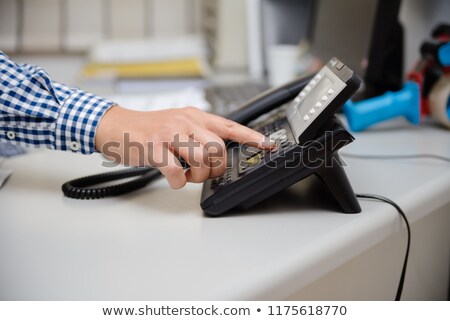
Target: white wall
[9, 24]
[51, 26]
[231, 42]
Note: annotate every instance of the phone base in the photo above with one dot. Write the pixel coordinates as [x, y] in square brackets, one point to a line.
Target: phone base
[319, 157]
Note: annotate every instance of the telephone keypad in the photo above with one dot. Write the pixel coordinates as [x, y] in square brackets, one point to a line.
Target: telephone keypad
[252, 156]
[249, 157]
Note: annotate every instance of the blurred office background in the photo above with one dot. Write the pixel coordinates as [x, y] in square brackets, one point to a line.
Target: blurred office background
[237, 35]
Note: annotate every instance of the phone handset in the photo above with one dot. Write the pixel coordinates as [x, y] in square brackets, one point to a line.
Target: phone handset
[268, 100]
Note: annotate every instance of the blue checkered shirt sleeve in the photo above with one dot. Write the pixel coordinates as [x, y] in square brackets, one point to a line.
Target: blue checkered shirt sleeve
[38, 112]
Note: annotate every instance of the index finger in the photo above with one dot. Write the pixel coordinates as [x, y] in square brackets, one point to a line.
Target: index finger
[228, 129]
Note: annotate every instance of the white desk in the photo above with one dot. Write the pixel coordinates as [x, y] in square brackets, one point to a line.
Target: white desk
[156, 244]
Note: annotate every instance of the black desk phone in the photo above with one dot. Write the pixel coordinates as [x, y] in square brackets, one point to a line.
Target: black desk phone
[299, 117]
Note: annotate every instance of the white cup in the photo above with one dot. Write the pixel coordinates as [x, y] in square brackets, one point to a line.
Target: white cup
[282, 63]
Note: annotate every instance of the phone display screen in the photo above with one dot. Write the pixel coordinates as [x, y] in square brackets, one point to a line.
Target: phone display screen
[314, 100]
[315, 94]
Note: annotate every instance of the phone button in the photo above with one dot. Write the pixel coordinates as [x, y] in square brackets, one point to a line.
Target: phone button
[255, 160]
[251, 150]
[276, 135]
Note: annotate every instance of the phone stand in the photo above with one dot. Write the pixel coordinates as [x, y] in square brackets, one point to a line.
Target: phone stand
[330, 167]
[336, 180]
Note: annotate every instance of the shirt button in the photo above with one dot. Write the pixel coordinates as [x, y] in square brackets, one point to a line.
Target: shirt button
[52, 126]
[11, 135]
[75, 146]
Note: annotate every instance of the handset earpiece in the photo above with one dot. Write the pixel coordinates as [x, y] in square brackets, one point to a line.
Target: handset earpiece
[268, 100]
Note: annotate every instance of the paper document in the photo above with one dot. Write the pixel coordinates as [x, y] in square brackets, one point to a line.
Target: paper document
[171, 99]
[148, 50]
[171, 57]
[189, 67]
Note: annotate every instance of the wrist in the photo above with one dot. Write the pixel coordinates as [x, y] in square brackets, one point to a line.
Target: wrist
[106, 126]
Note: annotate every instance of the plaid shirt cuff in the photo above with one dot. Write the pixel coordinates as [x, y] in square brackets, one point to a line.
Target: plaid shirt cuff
[76, 125]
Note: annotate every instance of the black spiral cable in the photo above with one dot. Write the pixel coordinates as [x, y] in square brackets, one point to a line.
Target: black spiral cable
[398, 295]
[79, 188]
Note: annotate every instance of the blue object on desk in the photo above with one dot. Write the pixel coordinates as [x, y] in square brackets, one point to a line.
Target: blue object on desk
[444, 55]
[365, 113]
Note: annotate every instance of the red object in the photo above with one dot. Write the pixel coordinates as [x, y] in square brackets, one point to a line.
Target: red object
[417, 76]
[428, 61]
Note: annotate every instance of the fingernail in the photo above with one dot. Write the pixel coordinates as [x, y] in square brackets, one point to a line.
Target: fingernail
[267, 143]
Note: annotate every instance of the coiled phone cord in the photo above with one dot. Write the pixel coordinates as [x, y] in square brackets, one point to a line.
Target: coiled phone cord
[78, 188]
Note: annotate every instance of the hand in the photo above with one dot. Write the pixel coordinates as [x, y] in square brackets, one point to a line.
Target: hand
[158, 138]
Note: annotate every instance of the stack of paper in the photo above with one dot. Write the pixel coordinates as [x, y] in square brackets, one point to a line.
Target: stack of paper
[179, 57]
[170, 99]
